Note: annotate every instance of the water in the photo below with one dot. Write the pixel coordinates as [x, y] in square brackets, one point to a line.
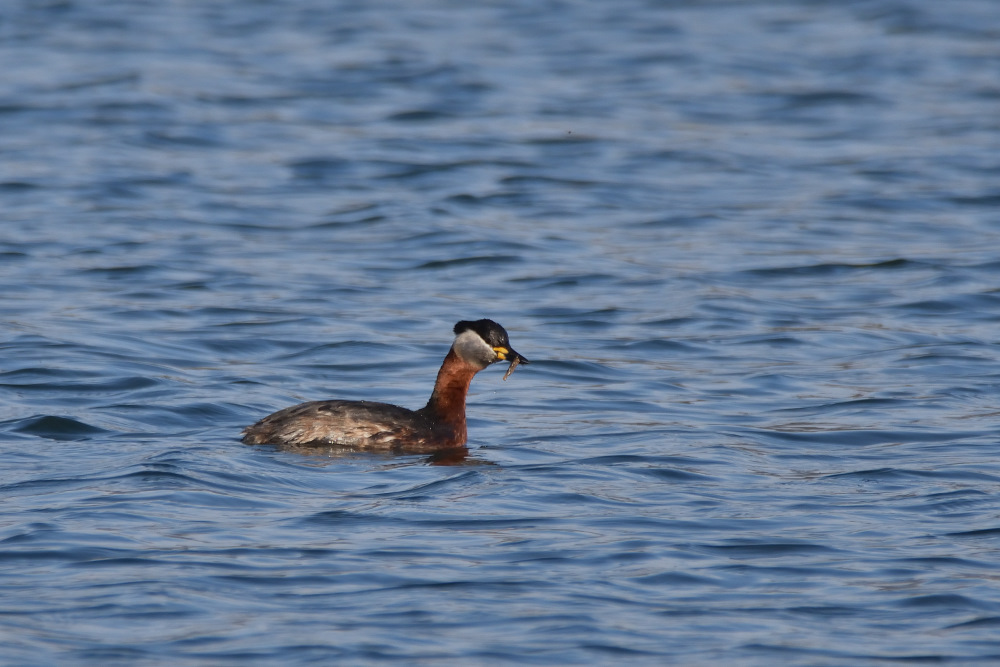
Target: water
[752, 249]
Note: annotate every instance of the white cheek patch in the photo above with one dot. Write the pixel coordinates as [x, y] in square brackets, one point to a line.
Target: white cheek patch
[472, 348]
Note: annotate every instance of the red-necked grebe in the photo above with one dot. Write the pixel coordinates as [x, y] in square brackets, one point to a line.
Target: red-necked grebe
[368, 425]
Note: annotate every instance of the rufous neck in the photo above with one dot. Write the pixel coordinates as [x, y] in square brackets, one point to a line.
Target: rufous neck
[447, 402]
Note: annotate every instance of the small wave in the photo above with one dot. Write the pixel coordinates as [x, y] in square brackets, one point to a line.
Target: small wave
[985, 622]
[943, 601]
[769, 549]
[463, 261]
[828, 97]
[56, 428]
[826, 269]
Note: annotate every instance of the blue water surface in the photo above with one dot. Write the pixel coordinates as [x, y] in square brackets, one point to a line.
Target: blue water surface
[752, 248]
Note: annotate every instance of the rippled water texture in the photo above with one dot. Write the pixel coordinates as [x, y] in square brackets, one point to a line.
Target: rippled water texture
[752, 248]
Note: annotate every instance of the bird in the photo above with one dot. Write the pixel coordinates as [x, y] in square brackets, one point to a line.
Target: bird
[372, 426]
